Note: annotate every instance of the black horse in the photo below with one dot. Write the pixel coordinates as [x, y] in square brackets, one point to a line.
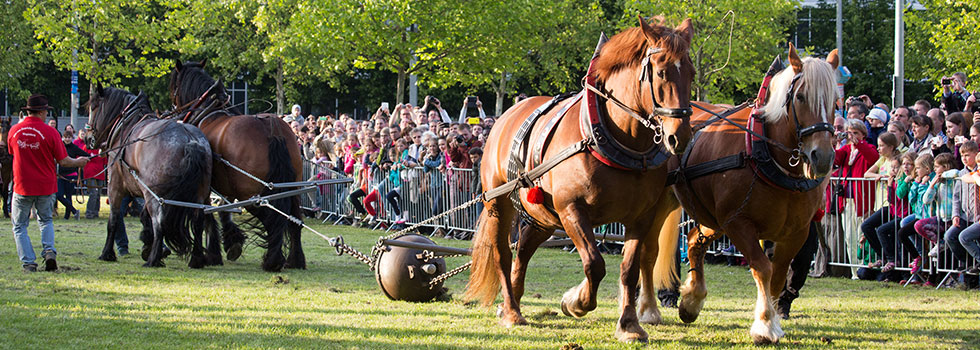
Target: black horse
[263, 148]
[158, 160]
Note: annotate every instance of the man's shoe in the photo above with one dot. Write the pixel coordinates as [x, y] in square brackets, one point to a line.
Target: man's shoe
[76, 214]
[30, 268]
[49, 262]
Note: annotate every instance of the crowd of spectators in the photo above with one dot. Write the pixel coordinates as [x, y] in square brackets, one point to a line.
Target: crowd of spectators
[421, 145]
[918, 195]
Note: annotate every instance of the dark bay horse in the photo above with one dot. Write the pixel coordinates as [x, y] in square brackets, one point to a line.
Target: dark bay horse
[261, 146]
[747, 204]
[646, 69]
[151, 157]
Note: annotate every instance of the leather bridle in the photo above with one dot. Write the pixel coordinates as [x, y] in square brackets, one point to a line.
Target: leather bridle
[653, 120]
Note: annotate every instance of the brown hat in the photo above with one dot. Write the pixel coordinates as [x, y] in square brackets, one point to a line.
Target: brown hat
[37, 102]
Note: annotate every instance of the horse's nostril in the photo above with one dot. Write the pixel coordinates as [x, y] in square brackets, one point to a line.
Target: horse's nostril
[672, 141]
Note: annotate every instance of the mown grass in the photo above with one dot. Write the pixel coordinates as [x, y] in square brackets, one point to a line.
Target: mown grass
[336, 304]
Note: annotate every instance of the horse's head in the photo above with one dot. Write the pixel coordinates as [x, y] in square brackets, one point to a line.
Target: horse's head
[659, 73]
[805, 93]
[106, 107]
[190, 85]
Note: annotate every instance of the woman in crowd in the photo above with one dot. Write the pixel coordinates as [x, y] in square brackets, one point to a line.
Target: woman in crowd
[853, 199]
[921, 134]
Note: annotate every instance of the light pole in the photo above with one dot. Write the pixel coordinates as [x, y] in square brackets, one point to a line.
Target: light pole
[898, 80]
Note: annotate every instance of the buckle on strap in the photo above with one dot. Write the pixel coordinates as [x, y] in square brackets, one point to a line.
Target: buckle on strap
[815, 128]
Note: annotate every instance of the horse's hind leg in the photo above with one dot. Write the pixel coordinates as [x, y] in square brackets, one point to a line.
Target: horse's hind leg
[275, 226]
[490, 272]
[581, 299]
[296, 258]
[234, 238]
[765, 329]
[198, 257]
[214, 240]
[658, 258]
[155, 259]
[694, 290]
[531, 237]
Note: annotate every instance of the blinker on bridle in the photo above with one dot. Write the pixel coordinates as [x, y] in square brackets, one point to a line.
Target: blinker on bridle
[801, 132]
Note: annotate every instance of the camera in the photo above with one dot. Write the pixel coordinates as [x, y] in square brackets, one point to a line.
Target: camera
[841, 135]
[947, 81]
[460, 141]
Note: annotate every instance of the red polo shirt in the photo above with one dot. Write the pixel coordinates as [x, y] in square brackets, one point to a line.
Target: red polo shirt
[36, 147]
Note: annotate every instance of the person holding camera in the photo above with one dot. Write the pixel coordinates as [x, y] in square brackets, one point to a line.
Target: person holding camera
[955, 94]
[471, 102]
[853, 199]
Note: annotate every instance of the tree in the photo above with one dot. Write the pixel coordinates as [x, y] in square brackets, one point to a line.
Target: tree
[759, 33]
[946, 33]
[401, 36]
[107, 40]
[17, 53]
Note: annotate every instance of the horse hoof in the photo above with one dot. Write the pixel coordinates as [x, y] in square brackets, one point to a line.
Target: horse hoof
[214, 260]
[687, 316]
[569, 308]
[145, 253]
[630, 337]
[300, 265]
[107, 257]
[761, 341]
[234, 251]
[509, 322]
[156, 264]
[196, 262]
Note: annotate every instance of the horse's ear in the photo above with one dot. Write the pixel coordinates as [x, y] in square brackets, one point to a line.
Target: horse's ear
[686, 30]
[833, 59]
[179, 66]
[100, 89]
[204, 62]
[643, 25]
[794, 59]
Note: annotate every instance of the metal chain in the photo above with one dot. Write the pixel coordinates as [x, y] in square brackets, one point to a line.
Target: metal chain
[443, 277]
[337, 243]
[379, 247]
[269, 185]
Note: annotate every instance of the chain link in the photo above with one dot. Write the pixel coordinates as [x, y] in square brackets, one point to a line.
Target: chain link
[443, 277]
[379, 247]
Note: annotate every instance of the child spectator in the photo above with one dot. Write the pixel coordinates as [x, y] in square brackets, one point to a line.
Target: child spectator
[920, 210]
[394, 178]
[964, 202]
[939, 194]
[435, 164]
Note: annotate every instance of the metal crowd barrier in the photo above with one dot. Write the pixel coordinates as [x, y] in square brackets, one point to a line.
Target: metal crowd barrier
[850, 201]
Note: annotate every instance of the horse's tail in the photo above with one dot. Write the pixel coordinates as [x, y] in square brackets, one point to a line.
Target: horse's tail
[194, 167]
[280, 170]
[665, 274]
[484, 281]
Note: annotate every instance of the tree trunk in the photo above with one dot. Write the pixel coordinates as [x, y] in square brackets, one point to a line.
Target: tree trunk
[501, 90]
[400, 87]
[280, 89]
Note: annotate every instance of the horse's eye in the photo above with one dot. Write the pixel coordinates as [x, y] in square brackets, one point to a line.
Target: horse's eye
[661, 73]
[801, 98]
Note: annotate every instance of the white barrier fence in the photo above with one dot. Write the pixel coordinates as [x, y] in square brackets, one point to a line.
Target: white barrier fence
[426, 193]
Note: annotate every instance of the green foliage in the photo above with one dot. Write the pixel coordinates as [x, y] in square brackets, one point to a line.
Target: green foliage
[114, 39]
[17, 51]
[945, 34]
[758, 35]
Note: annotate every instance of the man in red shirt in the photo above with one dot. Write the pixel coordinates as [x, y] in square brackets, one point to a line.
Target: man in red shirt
[36, 148]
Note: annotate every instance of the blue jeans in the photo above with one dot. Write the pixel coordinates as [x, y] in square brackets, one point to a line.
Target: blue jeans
[20, 216]
[969, 239]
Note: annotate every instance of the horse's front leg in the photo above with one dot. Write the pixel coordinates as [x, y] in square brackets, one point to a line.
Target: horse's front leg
[116, 215]
[694, 290]
[782, 257]
[765, 329]
[581, 299]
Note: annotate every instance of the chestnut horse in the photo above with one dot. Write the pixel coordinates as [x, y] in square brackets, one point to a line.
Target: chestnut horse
[158, 160]
[261, 146]
[744, 204]
[582, 191]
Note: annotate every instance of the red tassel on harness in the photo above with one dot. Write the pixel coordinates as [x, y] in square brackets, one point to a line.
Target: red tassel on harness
[819, 214]
[535, 195]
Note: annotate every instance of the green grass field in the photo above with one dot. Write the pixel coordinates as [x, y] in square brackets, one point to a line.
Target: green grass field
[336, 303]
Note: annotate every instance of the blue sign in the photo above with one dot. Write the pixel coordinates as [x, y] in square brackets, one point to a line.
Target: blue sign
[74, 82]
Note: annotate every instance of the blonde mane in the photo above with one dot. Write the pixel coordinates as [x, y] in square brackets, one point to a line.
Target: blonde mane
[818, 84]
